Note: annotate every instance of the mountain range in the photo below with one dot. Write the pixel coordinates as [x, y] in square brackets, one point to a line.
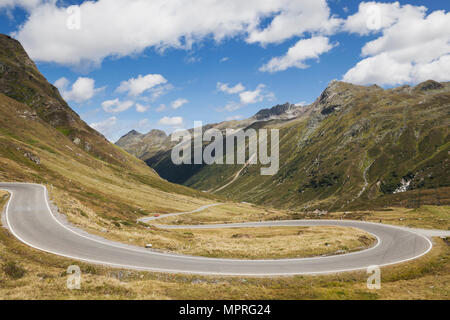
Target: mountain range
[354, 147]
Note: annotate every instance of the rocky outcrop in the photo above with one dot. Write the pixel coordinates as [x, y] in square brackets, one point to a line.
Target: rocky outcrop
[21, 80]
[32, 157]
[280, 111]
[147, 145]
[429, 85]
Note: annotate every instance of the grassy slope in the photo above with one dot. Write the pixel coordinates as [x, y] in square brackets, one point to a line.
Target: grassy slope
[21, 80]
[111, 190]
[383, 134]
[83, 181]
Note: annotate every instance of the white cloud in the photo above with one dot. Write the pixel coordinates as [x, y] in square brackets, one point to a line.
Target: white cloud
[412, 46]
[26, 4]
[438, 70]
[171, 121]
[137, 86]
[224, 87]
[161, 108]
[179, 103]
[106, 127]
[192, 59]
[373, 16]
[295, 19]
[380, 69]
[117, 28]
[297, 55]
[116, 106]
[161, 90]
[257, 95]
[82, 90]
[62, 83]
[141, 108]
[246, 97]
[224, 59]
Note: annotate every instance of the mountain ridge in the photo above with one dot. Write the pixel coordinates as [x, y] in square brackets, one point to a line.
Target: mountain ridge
[21, 80]
[354, 144]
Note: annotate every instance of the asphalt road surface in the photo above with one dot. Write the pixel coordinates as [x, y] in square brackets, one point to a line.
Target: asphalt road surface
[29, 217]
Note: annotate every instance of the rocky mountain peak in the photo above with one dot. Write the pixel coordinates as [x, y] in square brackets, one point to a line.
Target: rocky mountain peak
[276, 112]
[133, 133]
[13, 50]
[335, 90]
[156, 133]
[429, 85]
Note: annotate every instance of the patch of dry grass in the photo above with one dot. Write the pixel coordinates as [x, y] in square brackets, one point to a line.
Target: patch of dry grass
[228, 213]
[426, 217]
[268, 243]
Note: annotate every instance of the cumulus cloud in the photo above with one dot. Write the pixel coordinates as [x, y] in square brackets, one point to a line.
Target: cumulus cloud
[26, 4]
[179, 103]
[297, 55]
[116, 106]
[83, 89]
[257, 95]
[106, 127]
[117, 28]
[374, 16]
[171, 121]
[137, 86]
[224, 87]
[412, 46]
[295, 19]
[141, 108]
[245, 97]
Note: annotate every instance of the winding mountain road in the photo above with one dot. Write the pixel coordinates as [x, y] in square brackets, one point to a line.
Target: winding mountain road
[30, 219]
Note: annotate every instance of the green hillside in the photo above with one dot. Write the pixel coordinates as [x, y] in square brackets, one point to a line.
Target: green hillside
[354, 147]
[43, 140]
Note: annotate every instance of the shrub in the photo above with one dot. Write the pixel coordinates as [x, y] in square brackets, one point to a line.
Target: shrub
[13, 270]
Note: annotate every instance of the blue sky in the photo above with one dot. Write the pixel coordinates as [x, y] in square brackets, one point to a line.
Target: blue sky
[217, 65]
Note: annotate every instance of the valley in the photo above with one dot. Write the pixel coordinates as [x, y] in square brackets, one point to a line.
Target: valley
[342, 158]
[351, 149]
